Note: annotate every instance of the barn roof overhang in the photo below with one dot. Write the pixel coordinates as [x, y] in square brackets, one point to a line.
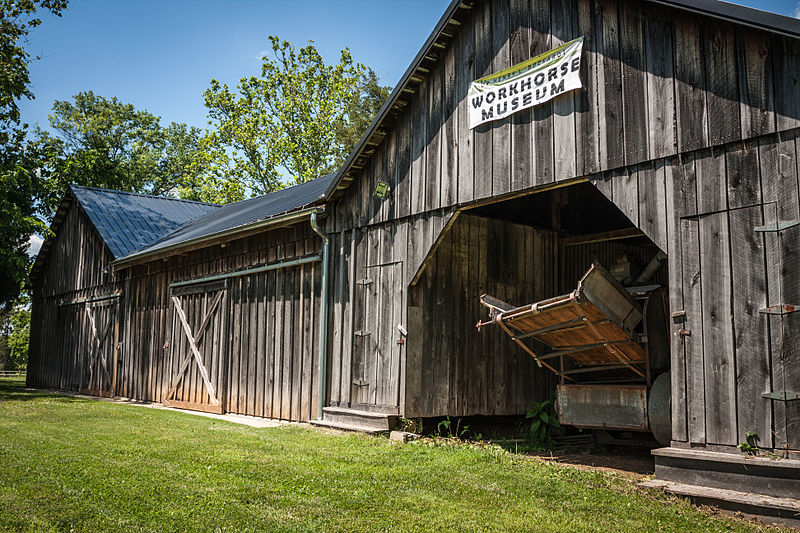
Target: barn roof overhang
[448, 26]
[219, 237]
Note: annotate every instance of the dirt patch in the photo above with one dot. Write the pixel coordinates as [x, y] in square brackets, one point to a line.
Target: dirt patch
[634, 463]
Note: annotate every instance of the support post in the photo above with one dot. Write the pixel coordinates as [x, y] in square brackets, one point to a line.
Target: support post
[323, 314]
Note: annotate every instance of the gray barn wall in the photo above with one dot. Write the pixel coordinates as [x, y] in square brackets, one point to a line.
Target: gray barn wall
[261, 347]
[63, 348]
[681, 116]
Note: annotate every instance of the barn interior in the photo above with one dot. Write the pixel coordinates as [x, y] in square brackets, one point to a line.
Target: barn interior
[537, 249]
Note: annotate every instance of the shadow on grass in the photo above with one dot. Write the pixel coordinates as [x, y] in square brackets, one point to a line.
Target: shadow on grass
[14, 389]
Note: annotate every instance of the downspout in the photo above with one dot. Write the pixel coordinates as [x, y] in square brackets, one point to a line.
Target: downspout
[323, 327]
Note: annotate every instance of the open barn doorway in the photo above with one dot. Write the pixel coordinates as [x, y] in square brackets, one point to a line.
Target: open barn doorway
[598, 319]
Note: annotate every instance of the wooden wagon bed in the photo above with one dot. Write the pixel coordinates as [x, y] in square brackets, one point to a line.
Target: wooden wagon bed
[591, 329]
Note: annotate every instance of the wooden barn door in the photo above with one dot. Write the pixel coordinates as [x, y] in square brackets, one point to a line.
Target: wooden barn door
[98, 349]
[197, 347]
[376, 352]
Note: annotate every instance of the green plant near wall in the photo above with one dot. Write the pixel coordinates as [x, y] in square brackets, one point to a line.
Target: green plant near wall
[751, 443]
[543, 421]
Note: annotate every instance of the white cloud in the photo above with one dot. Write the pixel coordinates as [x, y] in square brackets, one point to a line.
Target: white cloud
[796, 13]
[34, 244]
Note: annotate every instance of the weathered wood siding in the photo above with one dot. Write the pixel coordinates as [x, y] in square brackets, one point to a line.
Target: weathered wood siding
[260, 349]
[702, 208]
[657, 82]
[71, 339]
[452, 368]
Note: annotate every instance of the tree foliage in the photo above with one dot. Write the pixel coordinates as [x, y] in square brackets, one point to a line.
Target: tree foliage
[299, 118]
[18, 183]
[102, 142]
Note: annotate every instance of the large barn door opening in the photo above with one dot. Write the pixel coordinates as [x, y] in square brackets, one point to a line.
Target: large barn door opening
[197, 356]
[376, 356]
[97, 360]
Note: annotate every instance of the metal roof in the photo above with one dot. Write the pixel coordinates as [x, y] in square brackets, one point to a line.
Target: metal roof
[448, 26]
[239, 215]
[128, 221]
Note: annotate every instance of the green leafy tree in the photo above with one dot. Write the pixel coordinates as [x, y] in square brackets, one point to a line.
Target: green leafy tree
[297, 120]
[18, 182]
[102, 142]
[362, 106]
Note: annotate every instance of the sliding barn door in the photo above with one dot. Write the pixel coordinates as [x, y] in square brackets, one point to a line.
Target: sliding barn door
[197, 347]
[98, 349]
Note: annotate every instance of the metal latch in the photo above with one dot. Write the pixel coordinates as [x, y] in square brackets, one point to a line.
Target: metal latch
[684, 332]
[782, 395]
[360, 383]
[361, 333]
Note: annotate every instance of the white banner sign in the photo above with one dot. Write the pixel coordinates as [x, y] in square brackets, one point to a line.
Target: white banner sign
[525, 85]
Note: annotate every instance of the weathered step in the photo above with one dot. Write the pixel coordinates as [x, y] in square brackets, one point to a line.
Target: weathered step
[784, 511]
[355, 420]
[779, 478]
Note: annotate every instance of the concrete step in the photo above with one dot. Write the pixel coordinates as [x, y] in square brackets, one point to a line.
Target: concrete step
[355, 420]
[779, 478]
[784, 511]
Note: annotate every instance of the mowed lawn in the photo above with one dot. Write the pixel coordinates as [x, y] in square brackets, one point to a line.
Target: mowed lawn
[71, 464]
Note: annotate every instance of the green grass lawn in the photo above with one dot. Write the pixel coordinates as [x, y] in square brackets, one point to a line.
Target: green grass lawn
[71, 464]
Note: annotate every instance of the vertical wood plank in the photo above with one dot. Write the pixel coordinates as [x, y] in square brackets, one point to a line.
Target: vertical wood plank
[563, 20]
[482, 135]
[658, 47]
[718, 351]
[501, 129]
[609, 83]
[690, 96]
[634, 84]
[521, 122]
[541, 42]
[586, 109]
[722, 92]
[756, 82]
[465, 44]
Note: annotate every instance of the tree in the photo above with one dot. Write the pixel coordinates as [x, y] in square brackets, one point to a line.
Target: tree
[299, 117]
[18, 183]
[362, 105]
[102, 142]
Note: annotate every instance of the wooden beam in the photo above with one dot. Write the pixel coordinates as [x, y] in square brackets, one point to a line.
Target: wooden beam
[605, 236]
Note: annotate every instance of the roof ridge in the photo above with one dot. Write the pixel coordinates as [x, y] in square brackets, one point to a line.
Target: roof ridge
[144, 195]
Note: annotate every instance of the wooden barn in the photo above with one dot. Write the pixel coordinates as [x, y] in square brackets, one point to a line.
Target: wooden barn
[540, 154]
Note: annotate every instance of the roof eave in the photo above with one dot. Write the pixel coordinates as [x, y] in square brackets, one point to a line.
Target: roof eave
[268, 223]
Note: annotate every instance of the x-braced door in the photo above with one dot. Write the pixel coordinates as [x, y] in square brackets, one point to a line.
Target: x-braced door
[197, 354]
[100, 327]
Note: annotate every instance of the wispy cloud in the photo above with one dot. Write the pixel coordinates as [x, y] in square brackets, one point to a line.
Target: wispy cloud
[34, 244]
[796, 13]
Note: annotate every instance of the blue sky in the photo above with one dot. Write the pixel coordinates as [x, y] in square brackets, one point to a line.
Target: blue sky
[160, 54]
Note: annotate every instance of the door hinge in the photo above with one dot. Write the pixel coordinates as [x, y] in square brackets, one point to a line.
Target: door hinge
[782, 395]
[780, 309]
[777, 226]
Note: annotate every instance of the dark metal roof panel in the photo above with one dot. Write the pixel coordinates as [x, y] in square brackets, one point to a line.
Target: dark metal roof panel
[244, 213]
[128, 221]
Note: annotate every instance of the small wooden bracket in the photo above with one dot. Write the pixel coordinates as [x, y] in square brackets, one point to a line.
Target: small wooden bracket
[678, 317]
[777, 226]
[780, 309]
[782, 395]
[362, 333]
[365, 281]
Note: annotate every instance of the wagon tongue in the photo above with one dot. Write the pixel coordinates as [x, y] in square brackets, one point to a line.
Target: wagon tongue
[591, 329]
